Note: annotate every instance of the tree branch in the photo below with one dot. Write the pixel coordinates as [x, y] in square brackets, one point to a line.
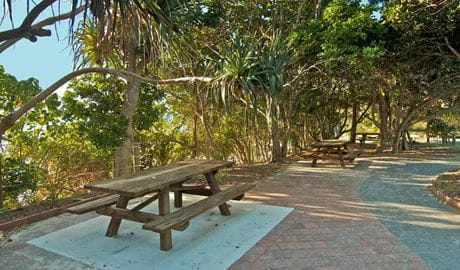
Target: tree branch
[452, 49]
[48, 21]
[9, 120]
[24, 30]
[441, 112]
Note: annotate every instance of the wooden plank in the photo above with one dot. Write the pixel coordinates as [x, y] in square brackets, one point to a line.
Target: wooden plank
[207, 192]
[164, 210]
[341, 158]
[145, 203]
[137, 216]
[191, 211]
[122, 213]
[224, 209]
[178, 195]
[148, 183]
[184, 188]
[146, 174]
[115, 222]
[330, 143]
[93, 205]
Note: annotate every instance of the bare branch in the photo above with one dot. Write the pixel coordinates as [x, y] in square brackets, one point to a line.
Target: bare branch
[48, 21]
[452, 49]
[24, 30]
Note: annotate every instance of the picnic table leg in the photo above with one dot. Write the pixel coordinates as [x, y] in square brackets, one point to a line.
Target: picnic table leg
[342, 163]
[224, 210]
[363, 139]
[114, 224]
[313, 163]
[315, 159]
[163, 209]
[178, 197]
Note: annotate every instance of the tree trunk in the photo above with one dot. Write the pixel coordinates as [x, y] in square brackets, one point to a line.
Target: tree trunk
[195, 136]
[383, 111]
[444, 138]
[122, 156]
[404, 142]
[275, 138]
[427, 132]
[354, 123]
[400, 130]
[1, 178]
[285, 146]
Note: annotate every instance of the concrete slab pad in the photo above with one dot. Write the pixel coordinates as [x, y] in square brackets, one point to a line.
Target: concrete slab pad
[212, 241]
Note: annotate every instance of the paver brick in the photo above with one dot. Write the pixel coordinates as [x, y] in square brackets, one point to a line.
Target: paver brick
[330, 228]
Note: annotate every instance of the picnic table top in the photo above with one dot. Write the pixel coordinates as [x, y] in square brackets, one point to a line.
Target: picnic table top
[368, 133]
[158, 178]
[330, 143]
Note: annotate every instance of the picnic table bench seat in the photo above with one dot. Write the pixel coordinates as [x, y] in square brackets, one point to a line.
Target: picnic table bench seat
[185, 214]
[93, 205]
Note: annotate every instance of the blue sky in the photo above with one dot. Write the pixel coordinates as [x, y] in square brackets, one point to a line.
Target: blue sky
[48, 59]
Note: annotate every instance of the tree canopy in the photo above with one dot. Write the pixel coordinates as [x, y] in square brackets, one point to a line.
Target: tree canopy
[269, 78]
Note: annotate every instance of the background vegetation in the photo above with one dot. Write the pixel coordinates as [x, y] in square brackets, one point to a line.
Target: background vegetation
[284, 73]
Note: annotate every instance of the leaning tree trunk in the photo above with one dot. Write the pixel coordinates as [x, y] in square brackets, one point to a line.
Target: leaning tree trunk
[396, 142]
[354, 123]
[383, 111]
[123, 154]
[276, 147]
[1, 179]
[427, 132]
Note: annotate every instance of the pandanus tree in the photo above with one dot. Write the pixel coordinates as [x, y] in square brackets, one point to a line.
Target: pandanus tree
[101, 11]
[254, 75]
[130, 44]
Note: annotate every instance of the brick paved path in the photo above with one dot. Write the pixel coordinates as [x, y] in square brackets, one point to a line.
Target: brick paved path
[331, 227]
[430, 229]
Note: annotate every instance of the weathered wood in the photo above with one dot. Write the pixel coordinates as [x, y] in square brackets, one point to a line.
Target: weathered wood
[207, 192]
[224, 209]
[364, 137]
[122, 213]
[137, 216]
[315, 160]
[178, 196]
[191, 211]
[93, 205]
[145, 203]
[115, 222]
[330, 143]
[341, 158]
[184, 188]
[156, 179]
[330, 149]
[164, 210]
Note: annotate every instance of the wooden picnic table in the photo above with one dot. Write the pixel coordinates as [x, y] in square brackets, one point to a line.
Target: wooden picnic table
[364, 136]
[160, 182]
[332, 149]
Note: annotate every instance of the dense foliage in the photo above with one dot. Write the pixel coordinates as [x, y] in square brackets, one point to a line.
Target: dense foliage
[285, 73]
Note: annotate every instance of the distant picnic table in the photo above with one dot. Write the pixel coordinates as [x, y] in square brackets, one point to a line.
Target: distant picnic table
[160, 182]
[365, 135]
[333, 149]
